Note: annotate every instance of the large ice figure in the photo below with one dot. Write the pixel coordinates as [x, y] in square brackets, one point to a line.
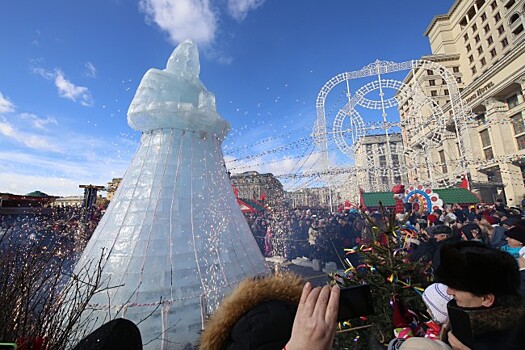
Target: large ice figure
[176, 239]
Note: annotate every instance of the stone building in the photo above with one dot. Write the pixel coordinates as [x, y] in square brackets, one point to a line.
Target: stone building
[380, 162]
[262, 187]
[482, 43]
[112, 187]
[311, 198]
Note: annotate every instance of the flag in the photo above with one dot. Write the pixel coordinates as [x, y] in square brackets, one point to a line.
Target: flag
[361, 199]
[464, 183]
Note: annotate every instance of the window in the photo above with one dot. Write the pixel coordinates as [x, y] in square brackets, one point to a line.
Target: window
[501, 30]
[445, 92]
[382, 161]
[486, 28]
[517, 124]
[485, 138]
[483, 17]
[521, 141]
[474, 70]
[455, 69]
[458, 79]
[477, 39]
[432, 82]
[512, 101]
[488, 153]
[493, 5]
[433, 93]
[443, 82]
[471, 58]
[483, 61]
[493, 53]
[468, 47]
[474, 27]
[490, 41]
[509, 4]
[443, 161]
[504, 43]
[430, 72]
[465, 37]
[395, 160]
[497, 17]
[480, 50]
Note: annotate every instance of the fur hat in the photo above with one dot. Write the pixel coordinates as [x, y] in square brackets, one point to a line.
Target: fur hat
[258, 314]
[476, 268]
[441, 229]
[436, 298]
[518, 233]
[469, 229]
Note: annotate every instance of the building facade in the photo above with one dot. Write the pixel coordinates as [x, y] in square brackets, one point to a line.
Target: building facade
[482, 43]
[319, 197]
[380, 162]
[261, 187]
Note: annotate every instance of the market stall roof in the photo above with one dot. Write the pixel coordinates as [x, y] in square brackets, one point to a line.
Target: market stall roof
[448, 195]
[37, 194]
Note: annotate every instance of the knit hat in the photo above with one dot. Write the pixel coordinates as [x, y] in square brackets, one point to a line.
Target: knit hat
[432, 218]
[476, 268]
[436, 298]
[518, 233]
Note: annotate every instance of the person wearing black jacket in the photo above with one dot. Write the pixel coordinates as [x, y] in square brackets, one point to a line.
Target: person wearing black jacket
[485, 283]
[430, 251]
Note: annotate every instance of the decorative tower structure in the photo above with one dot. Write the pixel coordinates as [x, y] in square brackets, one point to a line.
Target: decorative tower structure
[175, 238]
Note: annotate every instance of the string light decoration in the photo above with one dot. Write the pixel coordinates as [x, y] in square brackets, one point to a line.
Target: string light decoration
[423, 126]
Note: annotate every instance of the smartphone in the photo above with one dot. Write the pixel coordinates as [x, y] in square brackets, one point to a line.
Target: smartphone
[460, 324]
[7, 346]
[355, 301]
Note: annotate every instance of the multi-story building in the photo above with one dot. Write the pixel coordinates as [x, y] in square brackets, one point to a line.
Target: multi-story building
[483, 43]
[379, 162]
[112, 187]
[252, 185]
[319, 197]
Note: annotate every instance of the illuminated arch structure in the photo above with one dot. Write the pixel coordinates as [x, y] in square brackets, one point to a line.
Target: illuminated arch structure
[422, 128]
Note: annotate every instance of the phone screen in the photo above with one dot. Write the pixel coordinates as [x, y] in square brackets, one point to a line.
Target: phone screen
[355, 301]
[7, 346]
[460, 324]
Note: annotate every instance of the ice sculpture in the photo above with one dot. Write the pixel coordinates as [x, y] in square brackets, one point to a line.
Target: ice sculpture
[176, 239]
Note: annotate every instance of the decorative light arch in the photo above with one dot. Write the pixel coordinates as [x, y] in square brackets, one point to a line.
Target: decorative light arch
[432, 126]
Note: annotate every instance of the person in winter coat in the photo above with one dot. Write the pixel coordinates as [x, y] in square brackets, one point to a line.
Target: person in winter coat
[274, 313]
[485, 282]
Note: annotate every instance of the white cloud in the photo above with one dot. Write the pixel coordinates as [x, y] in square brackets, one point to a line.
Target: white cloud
[239, 9]
[6, 106]
[91, 70]
[37, 122]
[70, 91]
[182, 19]
[66, 88]
[30, 140]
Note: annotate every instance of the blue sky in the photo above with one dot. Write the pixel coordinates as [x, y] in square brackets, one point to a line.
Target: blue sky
[69, 69]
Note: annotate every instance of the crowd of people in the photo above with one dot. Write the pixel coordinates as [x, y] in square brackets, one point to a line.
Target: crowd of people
[62, 225]
[313, 234]
[476, 253]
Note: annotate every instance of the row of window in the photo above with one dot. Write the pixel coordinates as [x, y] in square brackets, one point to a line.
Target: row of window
[518, 126]
[455, 69]
[483, 60]
[490, 40]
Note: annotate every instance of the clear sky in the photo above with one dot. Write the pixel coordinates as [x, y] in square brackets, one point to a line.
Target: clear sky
[69, 69]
